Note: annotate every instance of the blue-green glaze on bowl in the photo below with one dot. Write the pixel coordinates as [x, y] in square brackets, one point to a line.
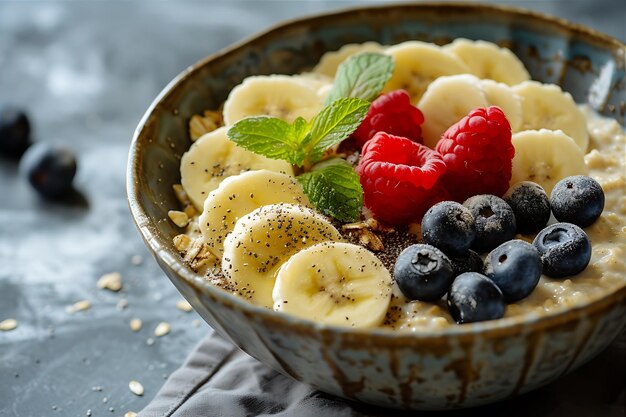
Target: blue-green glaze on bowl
[459, 367]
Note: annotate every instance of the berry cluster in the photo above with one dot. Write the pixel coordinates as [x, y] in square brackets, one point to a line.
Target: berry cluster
[454, 234]
[400, 178]
[391, 113]
[476, 153]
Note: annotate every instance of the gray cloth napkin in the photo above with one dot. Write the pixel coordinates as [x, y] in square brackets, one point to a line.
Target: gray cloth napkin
[219, 380]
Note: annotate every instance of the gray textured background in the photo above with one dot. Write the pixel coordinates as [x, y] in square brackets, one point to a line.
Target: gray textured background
[86, 72]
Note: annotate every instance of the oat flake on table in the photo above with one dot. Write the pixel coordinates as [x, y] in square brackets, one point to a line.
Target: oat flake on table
[8, 325]
[162, 329]
[111, 282]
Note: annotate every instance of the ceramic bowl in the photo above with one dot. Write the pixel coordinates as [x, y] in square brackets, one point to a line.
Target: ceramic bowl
[462, 366]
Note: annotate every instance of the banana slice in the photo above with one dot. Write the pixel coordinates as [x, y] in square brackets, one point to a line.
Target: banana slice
[503, 96]
[546, 106]
[320, 82]
[488, 60]
[418, 64]
[330, 61]
[334, 283]
[214, 157]
[446, 101]
[545, 157]
[263, 240]
[281, 96]
[241, 194]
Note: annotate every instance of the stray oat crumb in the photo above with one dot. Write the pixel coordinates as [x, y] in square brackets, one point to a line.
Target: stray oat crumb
[162, 329]
[179, 218]
[184, 306]
[122, 304]
[135, 325]
[78, 306]
[111, 282]
[136, 388]
[130, 414]
[8, 325]
[150, 341]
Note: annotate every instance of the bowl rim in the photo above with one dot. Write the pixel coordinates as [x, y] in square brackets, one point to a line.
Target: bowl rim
[490, 329]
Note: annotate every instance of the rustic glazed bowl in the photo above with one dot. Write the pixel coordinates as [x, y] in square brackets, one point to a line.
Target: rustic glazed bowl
[462, 366]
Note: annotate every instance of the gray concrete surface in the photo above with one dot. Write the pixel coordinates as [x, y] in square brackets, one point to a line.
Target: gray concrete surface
[86, 72]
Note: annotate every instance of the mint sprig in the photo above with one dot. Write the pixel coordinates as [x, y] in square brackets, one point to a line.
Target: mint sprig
[335, 189]
[300, 143]
[362, 76]
[271, 137]
[333, 124]
[332, 185]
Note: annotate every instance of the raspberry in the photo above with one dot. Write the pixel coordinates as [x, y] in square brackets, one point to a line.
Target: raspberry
[400, 178]
[478, 153]
[391, 113]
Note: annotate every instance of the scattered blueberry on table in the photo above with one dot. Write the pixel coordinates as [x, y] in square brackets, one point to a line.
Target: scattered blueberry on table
[49, 169]
[14, 131]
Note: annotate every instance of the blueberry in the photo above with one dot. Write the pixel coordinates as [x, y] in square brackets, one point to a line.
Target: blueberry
[565, 249]
[14, 131]
[474, 297]
[450, 227]
[578, 199]
[515, 267]
[423, 272]
[50, 170]
[531, 206]
[495, 221]
[469, 262]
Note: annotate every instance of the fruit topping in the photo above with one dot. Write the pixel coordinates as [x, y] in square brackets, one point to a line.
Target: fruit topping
[391, 113]
[14, 131]
[449, 226]
[547, 106]
[478, 153]
[515, 267]
[531, 206]
[400, 178]
[469, 262]
[241, 194]
[263, 240]
[495, 221]
[423, 273]
[474, 297]
[334, 283]
[577, 199]
[565, 249]
[545, 157]
[50, 170]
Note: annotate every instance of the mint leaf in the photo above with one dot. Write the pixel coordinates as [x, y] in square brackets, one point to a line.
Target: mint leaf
[333, 187]
[333, 124]
[271, 137]
[362, 76]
